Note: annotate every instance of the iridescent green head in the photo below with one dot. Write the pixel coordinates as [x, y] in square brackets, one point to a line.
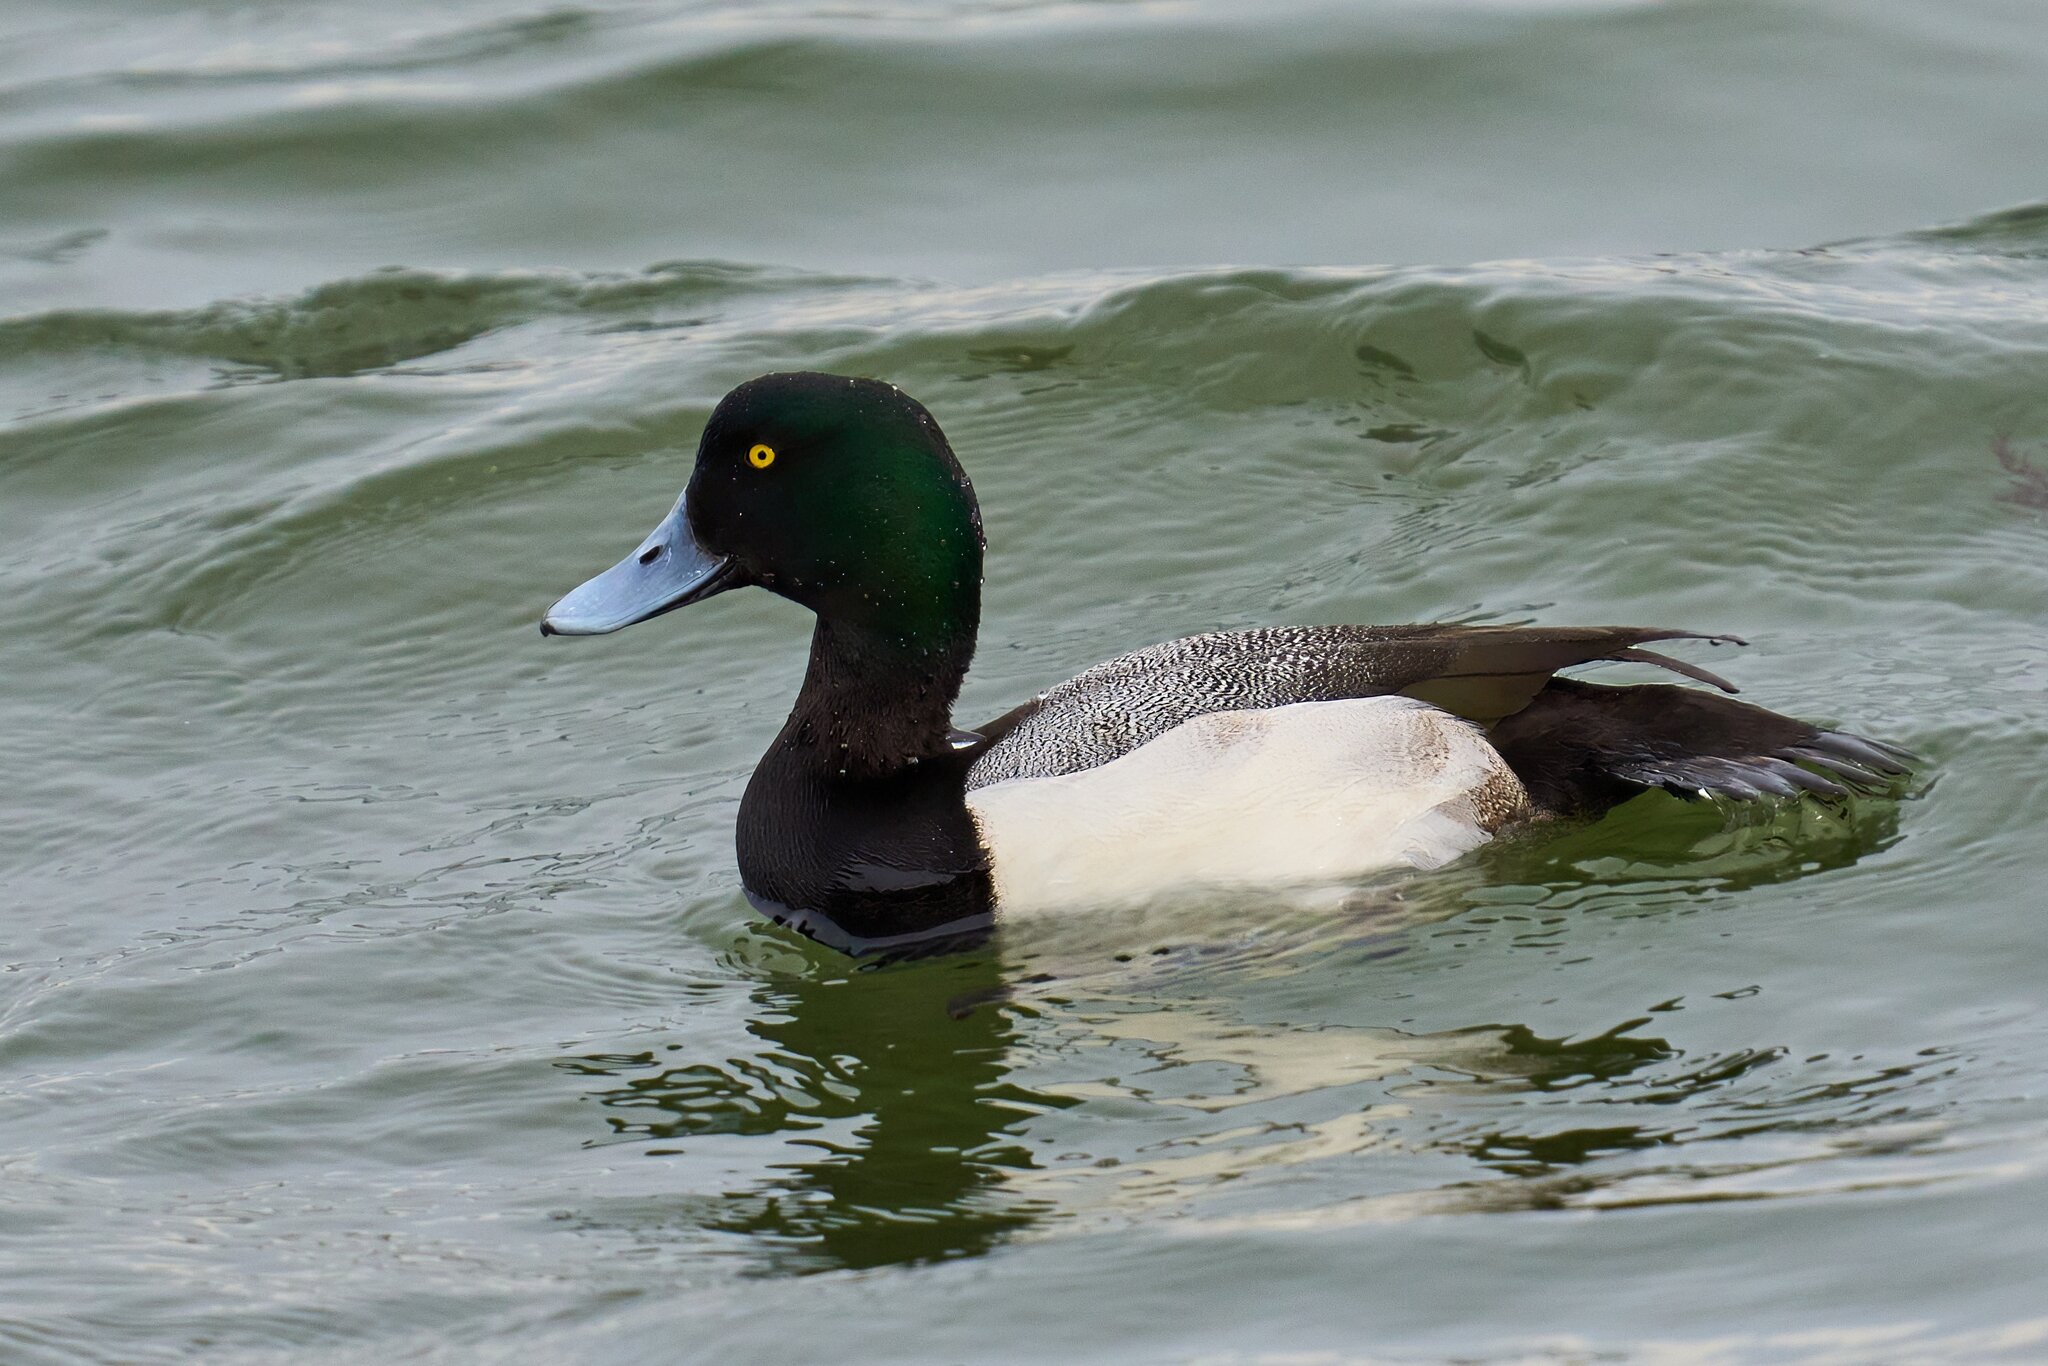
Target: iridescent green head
[840, 494]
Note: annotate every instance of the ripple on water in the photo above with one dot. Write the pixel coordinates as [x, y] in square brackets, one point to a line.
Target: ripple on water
[368, 922]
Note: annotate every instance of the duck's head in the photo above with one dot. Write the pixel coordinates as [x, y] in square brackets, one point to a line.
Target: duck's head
[837, 493]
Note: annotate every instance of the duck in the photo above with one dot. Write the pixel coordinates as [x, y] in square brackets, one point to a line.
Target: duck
[1247, 759]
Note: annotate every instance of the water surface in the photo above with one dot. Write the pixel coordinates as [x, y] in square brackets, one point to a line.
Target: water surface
[377, 981]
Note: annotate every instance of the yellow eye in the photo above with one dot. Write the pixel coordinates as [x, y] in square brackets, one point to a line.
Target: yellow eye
[761, 457]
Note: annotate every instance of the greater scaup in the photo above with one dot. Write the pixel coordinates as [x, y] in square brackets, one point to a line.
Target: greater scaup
[1283, 755]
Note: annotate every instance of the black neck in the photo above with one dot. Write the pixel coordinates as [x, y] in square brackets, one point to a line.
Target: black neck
[856, 818]
[873, 703]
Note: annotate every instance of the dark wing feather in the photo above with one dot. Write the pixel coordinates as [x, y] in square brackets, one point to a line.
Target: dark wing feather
[1580, 748]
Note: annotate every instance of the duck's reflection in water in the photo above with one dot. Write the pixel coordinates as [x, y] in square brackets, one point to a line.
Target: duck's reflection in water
[893, 1083]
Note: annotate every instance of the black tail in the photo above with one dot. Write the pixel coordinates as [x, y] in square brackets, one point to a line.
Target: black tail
[1580, 748]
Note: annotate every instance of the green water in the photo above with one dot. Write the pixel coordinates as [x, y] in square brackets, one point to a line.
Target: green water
[377, 982]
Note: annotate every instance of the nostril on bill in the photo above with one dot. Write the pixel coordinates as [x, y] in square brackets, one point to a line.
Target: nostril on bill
[651, 554]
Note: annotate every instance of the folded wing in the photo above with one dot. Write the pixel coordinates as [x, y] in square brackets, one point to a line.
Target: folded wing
[1577, 746]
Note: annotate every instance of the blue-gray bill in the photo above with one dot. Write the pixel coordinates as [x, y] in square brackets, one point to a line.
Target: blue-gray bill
[668, 570]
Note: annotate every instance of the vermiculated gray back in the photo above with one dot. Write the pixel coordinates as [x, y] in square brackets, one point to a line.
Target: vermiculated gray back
[1482, 672]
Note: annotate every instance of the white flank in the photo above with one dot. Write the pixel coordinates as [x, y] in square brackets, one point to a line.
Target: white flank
[1307, 793]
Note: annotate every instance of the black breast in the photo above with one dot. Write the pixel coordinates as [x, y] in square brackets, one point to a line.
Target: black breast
[866, 864]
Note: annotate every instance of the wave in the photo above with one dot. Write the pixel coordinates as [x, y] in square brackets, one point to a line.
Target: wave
[1459, 397]
[387, 317]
